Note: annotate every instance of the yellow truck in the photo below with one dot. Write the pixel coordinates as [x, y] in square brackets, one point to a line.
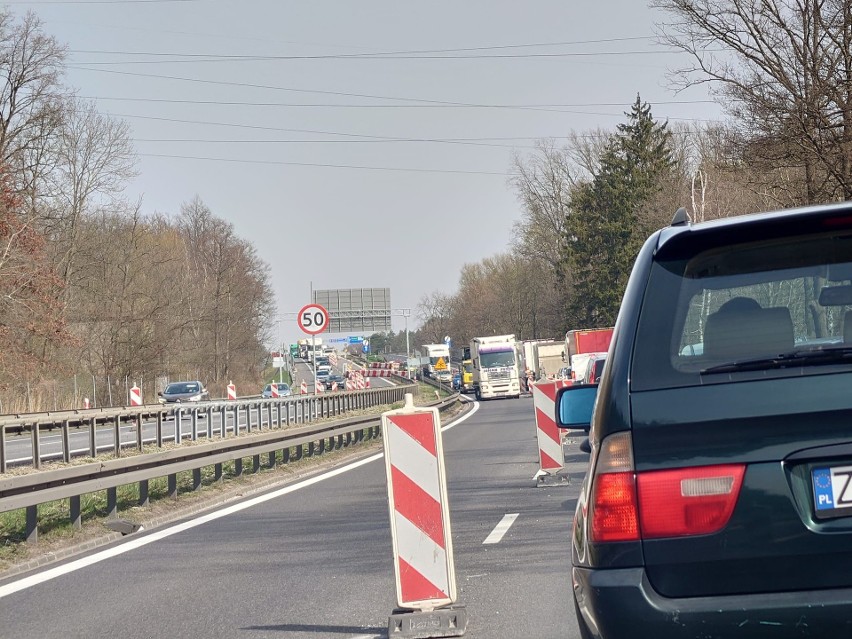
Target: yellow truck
[467, 376]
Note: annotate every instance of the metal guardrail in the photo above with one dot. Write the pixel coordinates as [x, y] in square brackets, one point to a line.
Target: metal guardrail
[281, 411]
[30, 490]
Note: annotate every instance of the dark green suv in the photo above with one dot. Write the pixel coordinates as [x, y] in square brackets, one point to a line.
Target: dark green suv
[718, 500]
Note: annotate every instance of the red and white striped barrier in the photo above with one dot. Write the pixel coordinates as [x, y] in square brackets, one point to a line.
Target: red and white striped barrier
[135, 396]
[350, 384]
[419, 512]
[319, 387]
[367, 383]
[232, 391]
[374, 372]
[550, 455]
[383, 365]
[332, 358]
[333, 387]
[303, 388]
[86, 403]
[360, 384]
[274, 388]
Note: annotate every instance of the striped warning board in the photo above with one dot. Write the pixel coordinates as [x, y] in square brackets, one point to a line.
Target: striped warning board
[135, 396]
[551, 457]
[419, 512]
[376, 372]
[383, 365]
[232, 391]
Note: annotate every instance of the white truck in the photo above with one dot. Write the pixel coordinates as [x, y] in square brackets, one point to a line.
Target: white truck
[543, 357]
[439, 362]
[548, 359]
[315, 349]
[497, 366]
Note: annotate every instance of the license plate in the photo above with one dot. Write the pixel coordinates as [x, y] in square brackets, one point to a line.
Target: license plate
[832, 491]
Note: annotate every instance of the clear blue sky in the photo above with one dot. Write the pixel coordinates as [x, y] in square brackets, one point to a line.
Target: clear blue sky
[265, 108]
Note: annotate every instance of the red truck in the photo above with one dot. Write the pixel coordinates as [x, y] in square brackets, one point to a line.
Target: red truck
[584, 345]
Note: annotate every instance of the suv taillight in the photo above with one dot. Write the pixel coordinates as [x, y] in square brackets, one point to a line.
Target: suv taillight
[688, 501]
[629, 506]
[614, 512]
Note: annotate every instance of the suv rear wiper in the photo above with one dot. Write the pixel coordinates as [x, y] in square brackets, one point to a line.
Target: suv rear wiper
[814, 357]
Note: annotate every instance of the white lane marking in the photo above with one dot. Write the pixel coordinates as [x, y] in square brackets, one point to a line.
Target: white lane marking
[132, 544]
[501, 529]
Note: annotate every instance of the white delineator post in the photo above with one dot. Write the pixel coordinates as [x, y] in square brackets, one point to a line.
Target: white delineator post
[135, 396]
[420, 524]
[550, 455]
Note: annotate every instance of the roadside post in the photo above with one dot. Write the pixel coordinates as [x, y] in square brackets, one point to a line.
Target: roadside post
[273, 387]
[550, 454]
[232, 391]
[420, 526]
[135, 396]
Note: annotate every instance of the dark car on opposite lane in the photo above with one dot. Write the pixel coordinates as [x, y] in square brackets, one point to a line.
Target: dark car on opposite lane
[283, 390]
[193, 391]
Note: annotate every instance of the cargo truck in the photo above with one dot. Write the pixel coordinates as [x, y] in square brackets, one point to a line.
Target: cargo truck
[497, 366]
[547, 359]
[439, 362]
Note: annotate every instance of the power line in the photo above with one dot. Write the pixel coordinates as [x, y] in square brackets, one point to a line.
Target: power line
[382, 53]
[341, 93]
[374, 141]
[186, 58]
[320, 165]
[389, 106]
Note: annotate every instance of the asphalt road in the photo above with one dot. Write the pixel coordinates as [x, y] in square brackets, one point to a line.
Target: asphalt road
[314, 559]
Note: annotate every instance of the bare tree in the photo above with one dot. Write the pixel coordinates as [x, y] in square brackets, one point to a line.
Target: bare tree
[784, 70]
[95, 160]
[31, 93]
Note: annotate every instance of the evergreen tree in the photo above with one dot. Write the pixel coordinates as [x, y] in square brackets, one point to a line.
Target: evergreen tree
[607, 225]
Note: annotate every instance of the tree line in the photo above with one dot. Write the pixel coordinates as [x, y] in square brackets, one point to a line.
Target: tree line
[93, 294]
[782, 71]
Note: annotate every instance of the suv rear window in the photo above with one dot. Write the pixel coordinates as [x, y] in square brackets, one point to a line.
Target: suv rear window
[768, 308]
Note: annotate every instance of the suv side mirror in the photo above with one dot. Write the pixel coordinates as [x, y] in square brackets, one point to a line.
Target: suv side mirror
[574, 406]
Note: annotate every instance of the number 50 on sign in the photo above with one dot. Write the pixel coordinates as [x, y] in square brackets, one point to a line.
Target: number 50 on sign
[313, 319]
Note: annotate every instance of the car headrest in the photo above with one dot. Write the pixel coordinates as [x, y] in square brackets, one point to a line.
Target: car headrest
[742, 333]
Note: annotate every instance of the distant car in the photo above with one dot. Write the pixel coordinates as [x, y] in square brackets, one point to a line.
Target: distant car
[457, 381]
[283, 390]
[323, 375]
[594, 369]
[338, 379]
[193, 391]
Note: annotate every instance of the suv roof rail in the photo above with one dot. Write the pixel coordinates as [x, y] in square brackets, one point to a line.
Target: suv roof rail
[681, 217]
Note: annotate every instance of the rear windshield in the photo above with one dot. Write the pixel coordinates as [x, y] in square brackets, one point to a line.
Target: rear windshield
[768, 308]
[182, 387]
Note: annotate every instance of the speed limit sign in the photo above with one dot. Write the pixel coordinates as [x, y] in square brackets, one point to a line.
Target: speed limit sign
[313, 319]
